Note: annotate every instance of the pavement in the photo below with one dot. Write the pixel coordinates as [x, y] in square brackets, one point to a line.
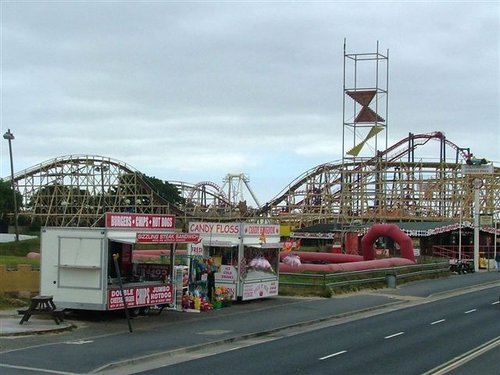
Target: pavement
[338, 306]
[9, 325]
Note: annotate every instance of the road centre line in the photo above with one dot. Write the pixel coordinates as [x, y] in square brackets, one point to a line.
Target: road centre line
[79, 342]
[394, 335]
[438, 321]
[456, 362]
[333, 355]
[470, 311]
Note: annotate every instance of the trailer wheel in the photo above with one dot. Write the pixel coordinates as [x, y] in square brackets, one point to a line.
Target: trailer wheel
[145, 310]
[134, 311]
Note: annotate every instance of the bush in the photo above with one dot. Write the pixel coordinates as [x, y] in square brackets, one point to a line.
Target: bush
[9, 302]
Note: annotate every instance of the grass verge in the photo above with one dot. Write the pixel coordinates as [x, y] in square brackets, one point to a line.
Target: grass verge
[11, 261]
[20, 248]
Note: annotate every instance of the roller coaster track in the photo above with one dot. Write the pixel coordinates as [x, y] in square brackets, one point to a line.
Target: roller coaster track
[393, 185]
[396, 184]
[76, 190]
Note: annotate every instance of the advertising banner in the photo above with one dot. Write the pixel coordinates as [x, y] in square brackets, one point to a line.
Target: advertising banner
[261, 230]
[260, 290]
[195, 249]
[215, 228]
[477, 169]
[154, 271]
[140, 296]
[168, 238]
[226, 273]
[138, 221]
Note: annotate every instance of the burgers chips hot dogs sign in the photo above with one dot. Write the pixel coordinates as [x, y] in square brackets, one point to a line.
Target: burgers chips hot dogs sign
[139, 221]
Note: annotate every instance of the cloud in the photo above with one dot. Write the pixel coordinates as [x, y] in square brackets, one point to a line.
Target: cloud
[193, 91]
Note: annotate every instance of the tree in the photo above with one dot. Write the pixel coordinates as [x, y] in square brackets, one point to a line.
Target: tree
[166, 190]
[7, 199]
[131, 184]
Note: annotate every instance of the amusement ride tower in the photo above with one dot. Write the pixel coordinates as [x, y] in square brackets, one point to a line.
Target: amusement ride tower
[365, 130]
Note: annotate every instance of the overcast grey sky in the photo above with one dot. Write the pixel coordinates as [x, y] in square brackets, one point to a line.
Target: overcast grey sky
[192, 91]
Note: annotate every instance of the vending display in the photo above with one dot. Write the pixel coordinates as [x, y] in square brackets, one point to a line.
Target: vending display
[93, 268]
[245, 256]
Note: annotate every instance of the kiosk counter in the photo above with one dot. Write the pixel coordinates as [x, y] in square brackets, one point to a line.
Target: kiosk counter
[92, 268]
[246, 257]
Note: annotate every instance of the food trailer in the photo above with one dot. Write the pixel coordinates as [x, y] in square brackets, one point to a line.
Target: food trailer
[246, 256]
[92, 268]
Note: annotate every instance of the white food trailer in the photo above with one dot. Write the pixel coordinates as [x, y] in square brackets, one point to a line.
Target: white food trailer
[92, 268]
[247, 256]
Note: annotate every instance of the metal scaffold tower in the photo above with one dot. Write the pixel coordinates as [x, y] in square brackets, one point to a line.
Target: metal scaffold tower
[365, 130]
[365, 104]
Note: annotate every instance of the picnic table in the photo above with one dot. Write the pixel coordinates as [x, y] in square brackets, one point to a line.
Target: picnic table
[42, 305]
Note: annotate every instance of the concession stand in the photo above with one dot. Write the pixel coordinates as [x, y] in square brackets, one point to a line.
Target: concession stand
[245, 257]
[92, 268]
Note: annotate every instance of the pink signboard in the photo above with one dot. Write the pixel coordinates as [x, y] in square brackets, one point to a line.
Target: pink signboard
[259, 230]
[139, 221]
[140, 296]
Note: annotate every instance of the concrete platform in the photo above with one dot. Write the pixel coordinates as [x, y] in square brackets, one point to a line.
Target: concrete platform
[9, 325]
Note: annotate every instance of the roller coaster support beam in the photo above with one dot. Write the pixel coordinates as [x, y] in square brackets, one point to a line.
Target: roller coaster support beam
[477, 186]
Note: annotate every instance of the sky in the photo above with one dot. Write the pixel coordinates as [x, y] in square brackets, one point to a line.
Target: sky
[193, 91]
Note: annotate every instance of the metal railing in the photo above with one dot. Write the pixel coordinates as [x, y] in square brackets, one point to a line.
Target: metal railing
[372, 276]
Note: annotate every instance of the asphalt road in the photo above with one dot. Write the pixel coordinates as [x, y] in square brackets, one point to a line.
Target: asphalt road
[105, 345]
[408, 341]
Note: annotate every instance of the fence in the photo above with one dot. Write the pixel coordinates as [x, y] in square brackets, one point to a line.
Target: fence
[389, 276]
[22, 280]
[466, 252]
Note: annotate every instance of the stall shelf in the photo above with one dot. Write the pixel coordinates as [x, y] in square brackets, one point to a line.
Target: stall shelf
[246, 257]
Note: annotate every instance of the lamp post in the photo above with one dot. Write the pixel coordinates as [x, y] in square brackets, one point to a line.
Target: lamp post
[9, 137]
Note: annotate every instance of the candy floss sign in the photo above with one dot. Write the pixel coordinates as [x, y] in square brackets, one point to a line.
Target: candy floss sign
[140, 296]
[215, 228]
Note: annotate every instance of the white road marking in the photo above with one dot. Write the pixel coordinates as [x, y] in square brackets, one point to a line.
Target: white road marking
[79, 342]
[470, 311]
[496, 303]
[438, 321]
[333, 355]
[394, 335]
[37, 370]
[456, 362]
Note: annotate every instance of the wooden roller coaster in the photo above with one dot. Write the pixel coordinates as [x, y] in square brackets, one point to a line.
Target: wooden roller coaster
[403, 183]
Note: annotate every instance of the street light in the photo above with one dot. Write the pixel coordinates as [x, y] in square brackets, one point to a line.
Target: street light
[9, 136]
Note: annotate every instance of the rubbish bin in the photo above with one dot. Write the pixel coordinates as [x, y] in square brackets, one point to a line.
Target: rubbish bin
[390, 280]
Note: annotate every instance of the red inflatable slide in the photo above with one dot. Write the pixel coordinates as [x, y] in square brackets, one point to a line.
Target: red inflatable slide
[310, 257]
[346, 262]
[387, 230]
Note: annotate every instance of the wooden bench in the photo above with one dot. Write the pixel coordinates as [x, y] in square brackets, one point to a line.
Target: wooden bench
[42, 305]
